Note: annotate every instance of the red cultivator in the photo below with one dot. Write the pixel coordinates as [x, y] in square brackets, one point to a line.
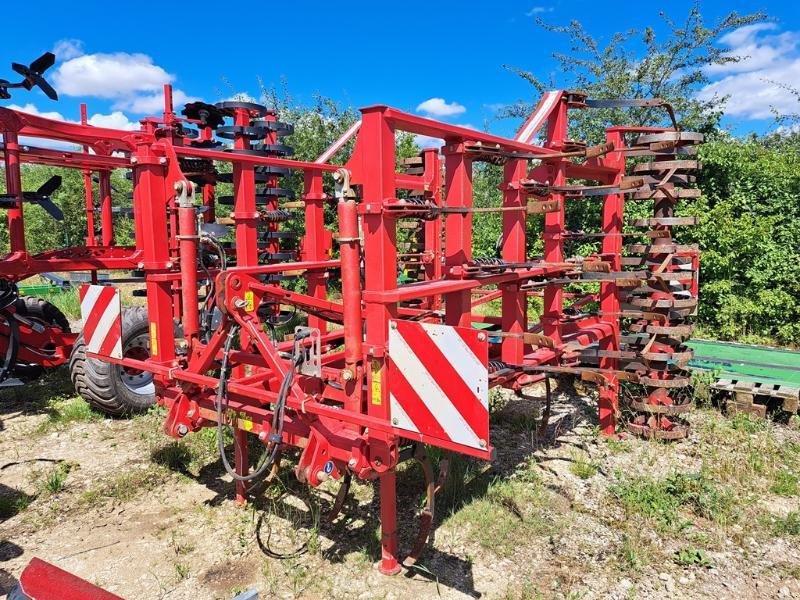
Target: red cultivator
[370, 377]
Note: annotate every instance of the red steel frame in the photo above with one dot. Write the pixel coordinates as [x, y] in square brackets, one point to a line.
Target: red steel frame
[343, 416]
[99, 146]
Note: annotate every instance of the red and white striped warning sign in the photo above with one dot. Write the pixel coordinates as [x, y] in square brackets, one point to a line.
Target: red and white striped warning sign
[439, 383]
[101, 310]
[534, 123]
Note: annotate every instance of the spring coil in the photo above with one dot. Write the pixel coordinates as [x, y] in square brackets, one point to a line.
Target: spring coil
[276, 216]
[488, 261]
[496, 365]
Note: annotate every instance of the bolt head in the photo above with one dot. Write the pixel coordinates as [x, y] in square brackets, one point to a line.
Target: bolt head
[481, 337]
[393, 324]
[395, 421]
[482, 443]
[162, 161]
[352, 463]
[134, 160]
[182, 430]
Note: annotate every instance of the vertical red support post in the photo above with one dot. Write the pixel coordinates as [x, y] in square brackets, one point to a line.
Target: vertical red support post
[91, 239]
[554, 224]
[458, 229]
[246, 217]
[150, 213]
[106, 212]
[612, 226]
[514, 302]
[376, 151]
[315, 246]
[16, 219]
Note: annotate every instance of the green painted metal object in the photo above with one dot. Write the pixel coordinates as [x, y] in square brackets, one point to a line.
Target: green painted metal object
[747, 363]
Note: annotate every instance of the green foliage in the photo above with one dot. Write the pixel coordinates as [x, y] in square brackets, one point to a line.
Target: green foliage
[661, 499]
[748, 234]
[692, 557]
[583, 467]
[638, 64]
[785, 483]
[42, 232]
[786, 526]
[64, 411]
[55, 480]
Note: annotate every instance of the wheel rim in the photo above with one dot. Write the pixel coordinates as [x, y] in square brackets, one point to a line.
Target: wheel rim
[137, 381]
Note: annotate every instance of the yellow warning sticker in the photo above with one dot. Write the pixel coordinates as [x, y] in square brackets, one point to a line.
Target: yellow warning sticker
[249, 301]
[153, 340]
[238, 420]
[376, 382]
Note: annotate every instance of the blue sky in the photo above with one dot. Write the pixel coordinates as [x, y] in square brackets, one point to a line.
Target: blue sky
[442, 59]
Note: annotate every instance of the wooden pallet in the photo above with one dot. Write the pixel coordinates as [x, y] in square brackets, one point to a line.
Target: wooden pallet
[753, 397]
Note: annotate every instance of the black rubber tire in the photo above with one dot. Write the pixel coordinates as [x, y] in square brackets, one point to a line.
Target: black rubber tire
[102, 384]
[42, 311]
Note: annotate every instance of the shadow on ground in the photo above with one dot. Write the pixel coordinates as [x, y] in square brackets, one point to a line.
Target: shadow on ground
[289, 517]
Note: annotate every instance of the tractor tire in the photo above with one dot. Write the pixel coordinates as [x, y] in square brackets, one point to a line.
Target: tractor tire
[111, 388]
[41, 311]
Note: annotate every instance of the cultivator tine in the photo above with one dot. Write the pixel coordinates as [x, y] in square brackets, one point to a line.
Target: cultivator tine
[426, 515]
[341, 497]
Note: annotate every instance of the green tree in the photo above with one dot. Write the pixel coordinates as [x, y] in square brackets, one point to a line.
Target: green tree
[640, 64]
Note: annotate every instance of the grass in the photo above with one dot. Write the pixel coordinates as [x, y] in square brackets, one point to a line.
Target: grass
[506, 517]
[64, 411]
[181, 570]
[124, 486]
[748, 423]
[68, 303]
[582, 467]
[632, 552]
[55, 479]
[663, 501]
[788, 526]
[190, 454]
[692, 557]
[786, 483]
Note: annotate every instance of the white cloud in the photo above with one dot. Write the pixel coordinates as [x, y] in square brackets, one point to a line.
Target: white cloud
[67, 49]
[537, 10]
[31, 109]
[754, 85]
[426, 141]
[439, 107]
[151, 104]
[110, 75]
[241, 97]
[115, 120]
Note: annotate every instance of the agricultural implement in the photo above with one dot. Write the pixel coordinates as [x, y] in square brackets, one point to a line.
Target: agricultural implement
[343, 322]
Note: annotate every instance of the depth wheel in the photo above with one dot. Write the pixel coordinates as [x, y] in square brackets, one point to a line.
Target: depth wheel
[111, 388]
